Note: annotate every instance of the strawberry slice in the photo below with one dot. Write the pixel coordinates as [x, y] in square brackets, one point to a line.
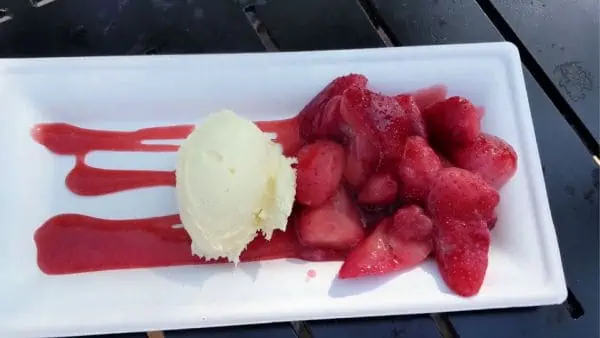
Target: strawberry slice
[399, 242]
[427, 96]
[355, 111]
[318, 172]
[462, 254]
[416, 170]
[371, 257]
[392, 122]
[460, 194]
[335, 225]
[362, 157]
[381, 119]
[452, 121]
[491, 157]
[411, 236]
[380, 189]
[313, 122]
[411, 109]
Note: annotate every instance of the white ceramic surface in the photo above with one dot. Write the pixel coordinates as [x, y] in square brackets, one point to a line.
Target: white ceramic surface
[127, 93]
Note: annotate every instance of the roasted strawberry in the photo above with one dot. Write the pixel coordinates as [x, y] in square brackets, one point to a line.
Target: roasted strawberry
[378, 117]
[411, 235]
[461, 253]
[318, 172]
[373, 256]
[416, 170]
[411, 109]
[392, 122]
[397, 243]
[334, 225]
[460, 194]
[491, 157]
[314, 123]
[355, 111]
[411, 223]
[454, 121]
[380, 189]
[427, 96]
[362, 157]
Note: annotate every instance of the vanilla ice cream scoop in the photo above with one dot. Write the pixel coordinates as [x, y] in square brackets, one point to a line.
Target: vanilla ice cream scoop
[232, 180]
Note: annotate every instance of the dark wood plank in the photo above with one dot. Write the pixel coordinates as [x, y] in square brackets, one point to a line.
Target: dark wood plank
[570, 174]
[107, 27]
[405, 326]
[563, 37]
[317, 24]
[280, 330]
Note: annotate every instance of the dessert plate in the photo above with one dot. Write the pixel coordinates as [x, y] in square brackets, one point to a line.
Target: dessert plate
[128, 93]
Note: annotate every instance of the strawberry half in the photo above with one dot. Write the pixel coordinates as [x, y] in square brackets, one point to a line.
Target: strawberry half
[454, 121]
[460, 194]
[380, 118]
[427, 96]
[489, 156]
[411, 236]
[397, 243]
[335, 225]
[314, 122]
[318, 172]
[380, 189]
[362, 157]
[392, 122]
[416, 170]
[371, 257]
[411, 109]
[461, 253]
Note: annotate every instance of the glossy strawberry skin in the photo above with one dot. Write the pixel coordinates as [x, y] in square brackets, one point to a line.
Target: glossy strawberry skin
[416, 170]
[380, 189]
[315, 120]
[489, 156]
[318, 172]
[397, 243]
[459, 194]
[335, 225]
[454, 121]
[461, 253]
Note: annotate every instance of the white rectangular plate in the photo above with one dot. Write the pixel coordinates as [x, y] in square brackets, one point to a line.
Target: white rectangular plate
[126, 93]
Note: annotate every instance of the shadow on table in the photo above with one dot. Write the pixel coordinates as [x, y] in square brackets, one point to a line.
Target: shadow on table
[350, 287]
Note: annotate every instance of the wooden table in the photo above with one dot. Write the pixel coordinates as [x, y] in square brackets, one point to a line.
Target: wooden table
[558, 41]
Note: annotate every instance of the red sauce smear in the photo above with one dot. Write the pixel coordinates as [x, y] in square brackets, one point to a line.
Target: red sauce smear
[73, 243]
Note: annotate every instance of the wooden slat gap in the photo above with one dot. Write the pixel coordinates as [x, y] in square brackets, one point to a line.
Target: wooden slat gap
[385, 33]
[260, 29]
[444, 325]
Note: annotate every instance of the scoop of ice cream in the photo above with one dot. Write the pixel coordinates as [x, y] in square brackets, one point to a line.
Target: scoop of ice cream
[232, 181]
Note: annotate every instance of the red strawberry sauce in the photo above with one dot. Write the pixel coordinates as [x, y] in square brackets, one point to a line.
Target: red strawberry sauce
[73, 243]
